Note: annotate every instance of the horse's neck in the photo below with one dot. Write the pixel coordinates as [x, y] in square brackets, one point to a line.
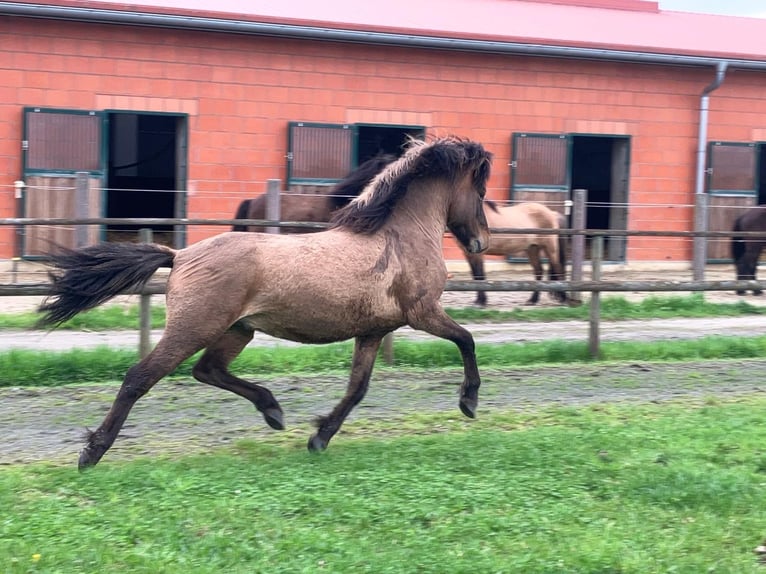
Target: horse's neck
[422, 213]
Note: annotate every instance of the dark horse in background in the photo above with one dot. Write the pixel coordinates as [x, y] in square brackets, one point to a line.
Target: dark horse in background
[747, 251]
[534, 246]
[379, 267]
[314, 208]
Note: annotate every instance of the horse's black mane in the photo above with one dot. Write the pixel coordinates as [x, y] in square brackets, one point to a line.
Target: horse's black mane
[448, 157]
[355, 182]
[492, 205]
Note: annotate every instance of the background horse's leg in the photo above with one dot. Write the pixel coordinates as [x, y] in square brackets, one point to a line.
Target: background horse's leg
[533, 253]
[757, 247]
[141, 377]
[365, 352]
[212, 369]
[556, 266]
[747, 264]
[476, 263]
[439, 324]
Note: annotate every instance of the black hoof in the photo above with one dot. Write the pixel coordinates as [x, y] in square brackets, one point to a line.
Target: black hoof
[85, 461]
[757, 292]
[273, 418]
[316, 444]
[741, 292]
[468, 407]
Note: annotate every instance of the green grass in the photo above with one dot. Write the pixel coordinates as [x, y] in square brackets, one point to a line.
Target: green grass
[34, 368]
[599, 490]
[613, 308]
[616, 308]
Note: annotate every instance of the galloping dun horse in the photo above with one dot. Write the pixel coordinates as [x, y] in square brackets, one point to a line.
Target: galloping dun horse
[378, 268]
[315, 208]
[524, 216]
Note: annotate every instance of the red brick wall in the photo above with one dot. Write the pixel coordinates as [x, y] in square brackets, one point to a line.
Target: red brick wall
[241, 91]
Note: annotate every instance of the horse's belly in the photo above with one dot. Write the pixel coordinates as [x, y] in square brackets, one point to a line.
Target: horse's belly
[322, 324]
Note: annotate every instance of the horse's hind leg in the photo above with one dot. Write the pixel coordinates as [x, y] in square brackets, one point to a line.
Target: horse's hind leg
[756, 258]
[533, 253]
[141, 377]
[365, 351]
[439, 324]
[747, 265]
[556, 271]
[212, 369]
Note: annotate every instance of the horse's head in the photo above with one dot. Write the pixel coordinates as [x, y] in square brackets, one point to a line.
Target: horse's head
[465, 215]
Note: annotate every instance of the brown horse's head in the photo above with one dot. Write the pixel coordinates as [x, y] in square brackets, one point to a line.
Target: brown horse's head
[465, 216]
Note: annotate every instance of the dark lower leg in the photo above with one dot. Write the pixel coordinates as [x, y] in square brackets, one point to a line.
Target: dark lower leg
[442, 325]
[537, 267]
[212, 369]
[476, 262]
[138, 380]
[365, 351]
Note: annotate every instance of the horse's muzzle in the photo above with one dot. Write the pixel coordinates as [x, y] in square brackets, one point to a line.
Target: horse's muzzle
[477, 246]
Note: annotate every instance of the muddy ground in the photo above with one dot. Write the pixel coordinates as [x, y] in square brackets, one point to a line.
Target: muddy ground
[180, 417]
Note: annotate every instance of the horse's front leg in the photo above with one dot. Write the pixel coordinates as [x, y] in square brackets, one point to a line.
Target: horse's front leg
[365, 352]
[441, 325]
[476, 262]
[533, 254]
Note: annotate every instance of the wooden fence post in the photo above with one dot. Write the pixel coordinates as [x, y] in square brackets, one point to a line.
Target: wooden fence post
[579, 206]
[144, 308]
[388, 349]
[81, 207]
[273, 203]
[594, 322]
[699, 254]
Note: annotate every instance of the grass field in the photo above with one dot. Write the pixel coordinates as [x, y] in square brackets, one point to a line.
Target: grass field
[597, 490]
[603, 489]
[46, 369]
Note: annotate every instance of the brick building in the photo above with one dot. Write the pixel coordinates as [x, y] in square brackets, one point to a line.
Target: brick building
[176, 110]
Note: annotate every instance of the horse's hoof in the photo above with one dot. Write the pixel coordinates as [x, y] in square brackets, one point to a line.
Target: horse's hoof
[316, 444]
[85, 461]
[741, 292]
[274, 419]
[757, 292]
[468, 407]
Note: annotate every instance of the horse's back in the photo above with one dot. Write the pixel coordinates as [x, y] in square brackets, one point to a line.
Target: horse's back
[309, 288]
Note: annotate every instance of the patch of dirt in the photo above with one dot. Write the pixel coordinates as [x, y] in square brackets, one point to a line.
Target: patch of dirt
[181, 417]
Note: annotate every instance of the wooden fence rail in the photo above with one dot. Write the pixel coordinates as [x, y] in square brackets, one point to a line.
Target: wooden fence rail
[595, 286]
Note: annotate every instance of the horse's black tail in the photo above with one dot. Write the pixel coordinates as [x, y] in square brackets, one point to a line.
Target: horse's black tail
[241, 213]
[84, 278]
[737, 243]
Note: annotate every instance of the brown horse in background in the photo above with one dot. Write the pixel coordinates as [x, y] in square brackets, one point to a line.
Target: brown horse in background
[315, 208]
[533, 245]
[379, 267]
[747, 252]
